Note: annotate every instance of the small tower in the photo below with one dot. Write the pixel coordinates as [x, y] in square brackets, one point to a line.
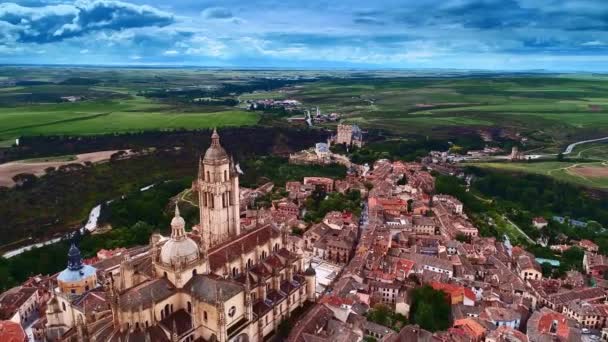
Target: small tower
[77, 278]
[311, 281]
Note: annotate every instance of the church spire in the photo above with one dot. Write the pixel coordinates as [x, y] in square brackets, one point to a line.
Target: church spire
[178, 225]
[215, 138]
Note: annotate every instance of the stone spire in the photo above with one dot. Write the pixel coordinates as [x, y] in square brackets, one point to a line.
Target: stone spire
[215, 138]
[248, 301]
[178, 225]
[174, 336]
[221, 314]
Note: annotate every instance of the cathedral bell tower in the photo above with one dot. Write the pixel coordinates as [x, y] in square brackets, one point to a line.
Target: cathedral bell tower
[217, 185]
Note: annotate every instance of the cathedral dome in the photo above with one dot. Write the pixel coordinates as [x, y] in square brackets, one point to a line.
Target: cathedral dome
[77, 278]
[176, 251]
[180, 248]
[215, 151]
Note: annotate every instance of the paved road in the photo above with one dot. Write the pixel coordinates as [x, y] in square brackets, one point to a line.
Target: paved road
[519, 229]
[571, 147]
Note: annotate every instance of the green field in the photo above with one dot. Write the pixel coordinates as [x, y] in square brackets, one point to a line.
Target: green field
[550, 107]
[551, 110]
[112, 116]
[562, 171]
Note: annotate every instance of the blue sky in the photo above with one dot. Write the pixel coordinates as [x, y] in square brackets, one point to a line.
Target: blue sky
[555, 35]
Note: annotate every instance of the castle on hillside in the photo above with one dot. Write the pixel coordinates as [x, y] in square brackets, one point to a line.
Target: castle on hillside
[214, 283]
[350, 135]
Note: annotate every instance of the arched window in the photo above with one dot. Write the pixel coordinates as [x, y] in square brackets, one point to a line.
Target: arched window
[165, 274]
[276, 247]
[147, 324]
[208, 177]
[263, 255]
[63, 306]
[194, 272]
[224, 200]
[136, 325]
[204, 199]
[235, 271]
[249, 263]
[205, 315]
[189, 307]
[225, 175]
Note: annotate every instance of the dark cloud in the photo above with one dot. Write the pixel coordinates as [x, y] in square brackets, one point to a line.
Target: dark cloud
[54, 23]
[217, 13]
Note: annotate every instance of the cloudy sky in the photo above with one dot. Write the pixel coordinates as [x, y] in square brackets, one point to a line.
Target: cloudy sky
[464, 34]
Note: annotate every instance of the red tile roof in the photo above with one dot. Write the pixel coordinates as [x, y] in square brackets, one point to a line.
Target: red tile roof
[11, 332]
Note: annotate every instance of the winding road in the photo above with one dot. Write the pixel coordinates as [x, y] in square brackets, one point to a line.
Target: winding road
[571, 147]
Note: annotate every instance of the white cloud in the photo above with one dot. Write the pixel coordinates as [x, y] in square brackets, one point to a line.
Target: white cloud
[594, 43]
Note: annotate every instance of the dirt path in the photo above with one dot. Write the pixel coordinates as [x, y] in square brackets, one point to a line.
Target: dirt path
[10, 169]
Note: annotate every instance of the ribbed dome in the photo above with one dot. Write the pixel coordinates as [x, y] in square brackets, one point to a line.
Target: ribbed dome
[176, 251]
[180, 248]
[215, 151]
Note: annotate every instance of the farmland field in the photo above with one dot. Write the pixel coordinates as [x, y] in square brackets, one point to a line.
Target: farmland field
[551, 110]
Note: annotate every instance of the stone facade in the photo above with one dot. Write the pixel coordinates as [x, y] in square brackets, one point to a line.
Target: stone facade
[215, 283]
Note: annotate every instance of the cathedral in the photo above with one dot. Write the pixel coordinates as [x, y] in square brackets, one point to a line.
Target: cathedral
[214, 283]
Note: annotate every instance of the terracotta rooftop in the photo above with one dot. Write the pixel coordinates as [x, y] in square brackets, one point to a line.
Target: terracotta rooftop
[12, 299]
[11, 332]
[546, 323]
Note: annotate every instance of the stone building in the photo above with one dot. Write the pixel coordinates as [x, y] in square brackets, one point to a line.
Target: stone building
[215, 283]
[350, 135]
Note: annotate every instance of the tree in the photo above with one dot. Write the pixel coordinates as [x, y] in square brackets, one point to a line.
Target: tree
[430, 309]
[380, 314]
[24, 180]
[547, 269]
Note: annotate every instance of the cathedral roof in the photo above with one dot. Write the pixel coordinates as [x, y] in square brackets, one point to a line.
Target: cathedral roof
[147, 293]
[246, 243]
[206, 288]
[215, 151]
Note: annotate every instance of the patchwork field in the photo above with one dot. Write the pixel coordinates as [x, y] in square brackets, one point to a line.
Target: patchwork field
[554, 109]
